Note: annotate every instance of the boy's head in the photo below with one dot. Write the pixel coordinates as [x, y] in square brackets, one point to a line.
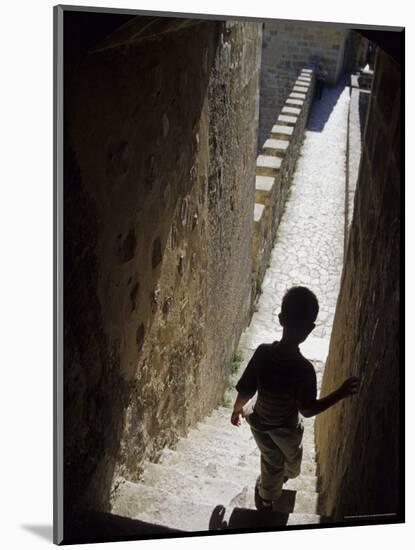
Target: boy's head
[299, 310]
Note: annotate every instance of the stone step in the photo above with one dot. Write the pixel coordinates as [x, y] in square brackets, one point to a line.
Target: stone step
[287, 119]
[308, 468]
[267, 165]
[307, 71]
[234, 454]
[294, 102]
[297, 502]
[296, 95]
[222, 444]
[264, 183]
[225, 433]
[231, 437]
[290, 110]
[304, 519]
[307, 484]
[258, 238]
[222, 418]
[258, 212]
[278, 131]
[243, 459]
[222, 413]
[188, 486]
[211, 490]
[155, 506]
[208, 453]
[276, 146]
[211, 465]
[300, 89]
[264, 188]
[306, 83]
[242, 472]
[240, 456]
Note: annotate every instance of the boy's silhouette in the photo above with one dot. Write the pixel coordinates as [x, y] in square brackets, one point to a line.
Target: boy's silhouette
[286, 385]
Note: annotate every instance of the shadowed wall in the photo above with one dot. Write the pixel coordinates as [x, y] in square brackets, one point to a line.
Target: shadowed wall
[358, 439]
[159, 184]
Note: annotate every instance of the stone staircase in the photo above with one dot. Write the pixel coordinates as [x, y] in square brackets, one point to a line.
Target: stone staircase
[274, 171]
[206, 482]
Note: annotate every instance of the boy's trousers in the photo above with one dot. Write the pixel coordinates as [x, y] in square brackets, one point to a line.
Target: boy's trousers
[281, 454]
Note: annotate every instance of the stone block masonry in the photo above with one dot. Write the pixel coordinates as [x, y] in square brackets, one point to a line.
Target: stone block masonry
[359, 101]
[274, 171]
[289, 46]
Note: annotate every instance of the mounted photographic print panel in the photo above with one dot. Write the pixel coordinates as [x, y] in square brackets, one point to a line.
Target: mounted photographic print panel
[227, 292]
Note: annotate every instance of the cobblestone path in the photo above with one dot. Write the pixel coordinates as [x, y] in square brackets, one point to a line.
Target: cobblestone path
[309, 246]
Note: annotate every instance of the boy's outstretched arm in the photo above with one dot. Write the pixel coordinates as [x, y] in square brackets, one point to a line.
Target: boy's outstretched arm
[349, 387]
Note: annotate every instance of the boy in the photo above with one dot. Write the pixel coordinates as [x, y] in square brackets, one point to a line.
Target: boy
[286, 385]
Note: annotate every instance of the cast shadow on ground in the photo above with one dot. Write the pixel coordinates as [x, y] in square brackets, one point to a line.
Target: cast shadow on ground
[43, 531]
[247, 518]
[322, 108]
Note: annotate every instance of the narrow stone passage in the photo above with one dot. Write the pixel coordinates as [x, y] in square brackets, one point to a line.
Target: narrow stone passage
[309, 245]
[217, 463]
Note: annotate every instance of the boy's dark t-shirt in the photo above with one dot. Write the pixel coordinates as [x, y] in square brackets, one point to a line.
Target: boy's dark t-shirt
[285, 382]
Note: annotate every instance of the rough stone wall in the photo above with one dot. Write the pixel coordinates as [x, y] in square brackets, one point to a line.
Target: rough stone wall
[159, 186]
[355, 51]
[233, 103]
[359, 103]
[358, 439]
[287, 47]
[361, 54]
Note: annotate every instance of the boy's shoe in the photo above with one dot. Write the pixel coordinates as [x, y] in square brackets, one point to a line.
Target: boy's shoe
[260, 503]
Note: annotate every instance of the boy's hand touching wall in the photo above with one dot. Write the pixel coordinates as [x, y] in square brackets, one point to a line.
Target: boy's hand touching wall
[349, 386]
